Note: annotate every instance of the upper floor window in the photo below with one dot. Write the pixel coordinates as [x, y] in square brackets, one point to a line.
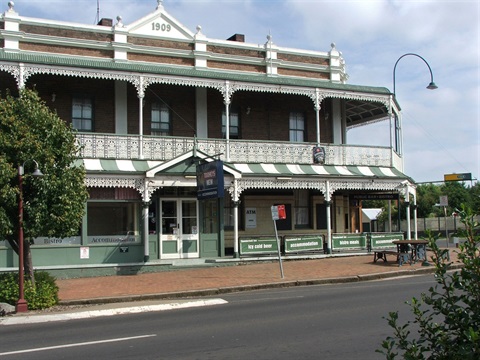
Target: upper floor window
[234, 128]
[297, 127]
[82, 113]
[160, 124]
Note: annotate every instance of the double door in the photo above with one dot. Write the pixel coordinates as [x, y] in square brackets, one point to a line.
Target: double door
[179, 230]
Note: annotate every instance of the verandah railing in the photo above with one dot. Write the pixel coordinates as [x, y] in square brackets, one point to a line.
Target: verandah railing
[127, 147]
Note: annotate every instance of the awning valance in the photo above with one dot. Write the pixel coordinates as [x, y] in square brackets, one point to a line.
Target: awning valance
[247, 170]
[323, 170]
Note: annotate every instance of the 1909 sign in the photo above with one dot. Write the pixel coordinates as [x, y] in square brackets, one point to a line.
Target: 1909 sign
[161, 27]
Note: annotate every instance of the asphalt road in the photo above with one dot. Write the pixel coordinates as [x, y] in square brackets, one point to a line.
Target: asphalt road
[342, 321]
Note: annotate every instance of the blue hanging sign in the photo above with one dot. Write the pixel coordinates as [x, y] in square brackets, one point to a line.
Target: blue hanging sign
[210, 182]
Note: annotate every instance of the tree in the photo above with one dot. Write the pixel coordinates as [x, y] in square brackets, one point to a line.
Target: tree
[427, 196]
[54, 204]
[447, 318]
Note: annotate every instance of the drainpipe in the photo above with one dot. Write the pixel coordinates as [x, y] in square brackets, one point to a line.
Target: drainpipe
[140, 126]
[235, 219]
[415, 227]
[317, 114]
[329, 216]
[407, 203]
[146, 245]
[227, 119]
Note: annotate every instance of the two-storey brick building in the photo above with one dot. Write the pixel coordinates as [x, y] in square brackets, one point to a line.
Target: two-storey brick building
[152, 100]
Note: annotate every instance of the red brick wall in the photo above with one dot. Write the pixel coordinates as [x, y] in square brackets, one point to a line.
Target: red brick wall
[161, 59]
[178, 45]
[304, 59]
[180, 100]
[235, 51]
[304, 73]
[268, 118]
[235, 66]
[67, 33]
[64, 87]
[269, 115]
[69, 50]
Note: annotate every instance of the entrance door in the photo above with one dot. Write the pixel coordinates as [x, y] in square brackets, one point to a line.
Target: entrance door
[179, 230]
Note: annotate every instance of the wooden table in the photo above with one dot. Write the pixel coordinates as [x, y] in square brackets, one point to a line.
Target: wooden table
[416, 249]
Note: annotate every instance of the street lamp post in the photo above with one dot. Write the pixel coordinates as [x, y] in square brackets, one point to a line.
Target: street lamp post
[431, 86]
[22, 305]
[399, 134]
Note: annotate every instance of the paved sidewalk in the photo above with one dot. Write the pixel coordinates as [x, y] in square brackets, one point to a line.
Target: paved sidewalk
[214, 280]
[202, 286]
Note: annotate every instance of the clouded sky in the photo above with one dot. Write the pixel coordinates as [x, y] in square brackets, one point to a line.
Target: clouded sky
[441, 127]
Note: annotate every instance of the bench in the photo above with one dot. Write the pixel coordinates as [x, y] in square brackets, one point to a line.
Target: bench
[382, 254]
[445, 254]
[401, 257]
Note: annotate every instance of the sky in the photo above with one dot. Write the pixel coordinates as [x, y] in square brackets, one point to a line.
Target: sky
[441, 128]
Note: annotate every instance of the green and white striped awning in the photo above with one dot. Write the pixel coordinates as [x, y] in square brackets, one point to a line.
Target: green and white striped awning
[322, 170]
[117, 166]
[246, 170]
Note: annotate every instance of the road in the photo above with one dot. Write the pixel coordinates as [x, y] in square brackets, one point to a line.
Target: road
[341, 321]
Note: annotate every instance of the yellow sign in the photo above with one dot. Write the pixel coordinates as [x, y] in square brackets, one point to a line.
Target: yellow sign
[457, 177]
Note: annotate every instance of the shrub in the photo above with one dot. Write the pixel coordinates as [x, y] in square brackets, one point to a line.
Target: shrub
[41, 296]
[447, 318]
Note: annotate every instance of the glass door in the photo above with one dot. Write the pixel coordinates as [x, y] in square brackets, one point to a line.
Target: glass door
[179, 230]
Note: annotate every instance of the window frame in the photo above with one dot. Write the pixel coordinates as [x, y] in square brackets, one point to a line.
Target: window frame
[162, 107]
[81, 99]
[296, 116]
[236, 114]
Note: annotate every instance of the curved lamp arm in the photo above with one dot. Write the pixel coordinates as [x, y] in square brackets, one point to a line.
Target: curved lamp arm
[431, 86]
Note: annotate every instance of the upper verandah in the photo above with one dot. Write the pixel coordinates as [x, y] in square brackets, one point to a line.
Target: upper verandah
[158, 38]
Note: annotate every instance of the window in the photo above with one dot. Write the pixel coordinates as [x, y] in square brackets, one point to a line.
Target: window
[234, 128]
[302, 209]
[297, 127]
[113, 222]
[82, 113]
[160, 124]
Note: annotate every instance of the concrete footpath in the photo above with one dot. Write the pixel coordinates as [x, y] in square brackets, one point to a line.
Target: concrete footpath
[134, 293]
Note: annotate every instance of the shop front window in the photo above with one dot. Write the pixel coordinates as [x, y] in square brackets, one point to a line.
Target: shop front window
[113, 222]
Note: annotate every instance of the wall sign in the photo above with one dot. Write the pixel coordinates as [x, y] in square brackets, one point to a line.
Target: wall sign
[251, 218]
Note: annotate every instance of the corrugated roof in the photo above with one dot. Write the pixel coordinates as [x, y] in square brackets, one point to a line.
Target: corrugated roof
[159, 69]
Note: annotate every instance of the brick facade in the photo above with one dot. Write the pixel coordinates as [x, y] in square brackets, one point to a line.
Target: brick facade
[67, 50]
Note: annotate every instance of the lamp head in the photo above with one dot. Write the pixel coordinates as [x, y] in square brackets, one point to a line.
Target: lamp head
[37, 172]
[432, 86]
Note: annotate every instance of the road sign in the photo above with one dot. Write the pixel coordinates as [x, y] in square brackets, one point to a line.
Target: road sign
[443, 200]
[457, 177]
[278, 212]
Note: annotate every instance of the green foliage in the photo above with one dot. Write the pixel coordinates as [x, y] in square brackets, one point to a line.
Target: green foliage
[447, 318]
[41, 296]
[53, 204]
[427, 196]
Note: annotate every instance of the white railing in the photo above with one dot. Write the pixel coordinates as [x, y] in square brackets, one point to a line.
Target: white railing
[110, 146]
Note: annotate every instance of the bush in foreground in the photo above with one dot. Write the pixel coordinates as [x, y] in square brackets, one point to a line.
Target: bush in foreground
[41, 296]
[447, 318]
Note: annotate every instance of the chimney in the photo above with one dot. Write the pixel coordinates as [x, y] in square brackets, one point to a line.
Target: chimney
[237, 37]
[105, 22]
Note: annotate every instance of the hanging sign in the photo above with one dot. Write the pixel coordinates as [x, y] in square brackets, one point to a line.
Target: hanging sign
[318, 155]
[210, 183]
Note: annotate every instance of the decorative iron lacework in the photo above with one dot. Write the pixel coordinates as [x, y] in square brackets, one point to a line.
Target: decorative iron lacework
[112, 146]
[22, 72]
[241, 185]
[321, 185]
